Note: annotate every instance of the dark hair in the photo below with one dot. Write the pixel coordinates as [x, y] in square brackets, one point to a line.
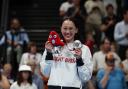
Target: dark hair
[108, 6]
[0, 76]
[106, 59]
[77, 35]
[31, 44]
[103, 41]
[125, 10]
[15, 18]
[71, 19]
[20, 78]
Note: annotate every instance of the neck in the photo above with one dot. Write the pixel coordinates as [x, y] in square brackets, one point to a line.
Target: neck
[111, 15]
[105, 51]
[5, 74]
[32, 52]
[71, 41]
[25, 81]
[77, 5]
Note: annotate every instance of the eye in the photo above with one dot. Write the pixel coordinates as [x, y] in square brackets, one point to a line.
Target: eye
[50, 36]
[55, 36]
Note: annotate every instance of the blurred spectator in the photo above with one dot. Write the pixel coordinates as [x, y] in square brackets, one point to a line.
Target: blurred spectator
[7, 72]
[114, 47]
[36, 78]
[79, 13]
[121, 34]
[24, 80]
[15, 38]
[109, 22]
[125, 67]
[32, 54]
[90, 42]
[111, 77]
[112, 2]
[99, 57]
[4, 84]
[101, 6]
[93, 24]
[89, 85]
[64, 7]
[90, 4]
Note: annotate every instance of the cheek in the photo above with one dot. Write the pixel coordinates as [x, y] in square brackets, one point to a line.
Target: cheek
[25, 75]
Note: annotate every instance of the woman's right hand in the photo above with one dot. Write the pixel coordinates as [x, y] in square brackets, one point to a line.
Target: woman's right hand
[48, 46]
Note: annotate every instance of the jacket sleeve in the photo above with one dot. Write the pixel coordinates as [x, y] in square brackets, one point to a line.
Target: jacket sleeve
[45, 65]
[85, 71]
[118, 34]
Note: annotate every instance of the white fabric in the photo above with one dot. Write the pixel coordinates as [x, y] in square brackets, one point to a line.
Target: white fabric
[28, 56]
[121, 29]
[23, 86]
[89, 5]
[64, 71]
[125, 67]
[65, 6]
[99, 60]
[25, 68]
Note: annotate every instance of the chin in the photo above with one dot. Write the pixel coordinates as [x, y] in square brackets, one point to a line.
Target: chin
[68, 40]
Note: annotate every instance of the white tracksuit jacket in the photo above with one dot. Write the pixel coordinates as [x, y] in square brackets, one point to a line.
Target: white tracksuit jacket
[63, 71]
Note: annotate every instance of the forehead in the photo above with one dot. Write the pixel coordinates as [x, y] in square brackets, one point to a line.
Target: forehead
[15, 21]
[68, 23]
[106, 41]
[7, 66]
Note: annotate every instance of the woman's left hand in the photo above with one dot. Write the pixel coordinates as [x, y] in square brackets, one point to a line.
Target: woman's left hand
[78, 53]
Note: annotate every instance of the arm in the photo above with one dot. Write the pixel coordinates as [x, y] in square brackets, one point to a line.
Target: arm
[41, 84]
[47, 60]
[62, 11]
[2, 41]
[46, 64]
[103, 77]
[85, 64]
[6, 38]
[104, 27]
[23, 58]
[34, 86]
[24, 38]
[118, 35]
[106, 24]
[124, 81]
[104, 81]
[99, 77]
[118, 60]
[4, 83]
[94, 63]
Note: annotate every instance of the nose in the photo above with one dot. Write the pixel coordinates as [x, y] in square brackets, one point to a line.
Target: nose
[67, 31]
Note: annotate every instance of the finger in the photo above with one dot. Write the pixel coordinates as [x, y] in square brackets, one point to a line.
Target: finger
[47, 43]
[78, 50]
